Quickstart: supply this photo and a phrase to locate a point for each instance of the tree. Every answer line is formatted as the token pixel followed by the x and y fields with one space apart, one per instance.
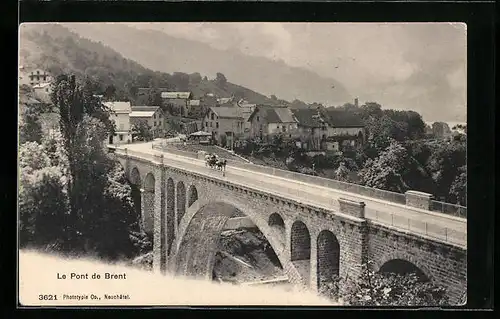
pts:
pixel 109 92
pixel 141 131
pixel 371 109
pixel 387 170
pixel 30 128
pixel 458 189
pixel 342 173
pixel 220 80
pixel 444 165
pixel 386 289
pixel 195 78
pixel 42 197
pixel 180 81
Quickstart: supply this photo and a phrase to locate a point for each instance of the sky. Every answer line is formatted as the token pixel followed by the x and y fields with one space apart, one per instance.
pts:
pixel 420 66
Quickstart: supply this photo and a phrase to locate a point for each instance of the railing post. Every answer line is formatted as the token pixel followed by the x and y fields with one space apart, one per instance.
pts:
pixel 418 200
pixel 446 233
pixel 426 228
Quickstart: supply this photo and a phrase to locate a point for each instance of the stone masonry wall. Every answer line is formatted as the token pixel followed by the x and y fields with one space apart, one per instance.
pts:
pixel 358 242
pixel 444 264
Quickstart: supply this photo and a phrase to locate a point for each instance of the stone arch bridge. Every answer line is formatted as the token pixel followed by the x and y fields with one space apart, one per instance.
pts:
pixel 185 206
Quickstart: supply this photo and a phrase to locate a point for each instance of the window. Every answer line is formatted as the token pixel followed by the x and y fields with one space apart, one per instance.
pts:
pixel 216 124
pixel 283 128
pixel 258 119
pixel 159 115
pixel 47 90
pixel 154 123
pixel 212 116
pixel 210 124
pixel 206 124
pixel 154 116
pixel 121 137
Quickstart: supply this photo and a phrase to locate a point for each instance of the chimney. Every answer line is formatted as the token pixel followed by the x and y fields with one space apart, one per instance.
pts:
pixel 356 102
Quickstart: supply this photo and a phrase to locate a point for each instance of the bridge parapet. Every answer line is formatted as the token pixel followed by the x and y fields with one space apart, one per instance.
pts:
pixel 418 199
pixel 292 198
pixel 353 208
pixel 411 199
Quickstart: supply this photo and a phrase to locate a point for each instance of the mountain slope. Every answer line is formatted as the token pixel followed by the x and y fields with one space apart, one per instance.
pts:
pixel 57 49
pixel 159 51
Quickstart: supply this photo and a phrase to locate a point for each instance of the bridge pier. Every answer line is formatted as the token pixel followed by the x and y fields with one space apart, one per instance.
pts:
pixel 159 223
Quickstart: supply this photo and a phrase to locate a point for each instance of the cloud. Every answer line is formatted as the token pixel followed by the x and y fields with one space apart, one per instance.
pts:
pixel 426 62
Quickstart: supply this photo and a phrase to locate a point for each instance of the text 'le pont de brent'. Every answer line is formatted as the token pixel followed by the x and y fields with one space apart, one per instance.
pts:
pixel 106 275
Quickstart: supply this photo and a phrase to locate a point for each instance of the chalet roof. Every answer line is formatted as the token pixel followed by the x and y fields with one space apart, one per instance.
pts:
pixel 146 108
pixel 342 118
pixel 175 95
pixel 41 85
pixel 272 114
pixel 119 107
pixel 307 117
pixel 228 112
pixel 142 114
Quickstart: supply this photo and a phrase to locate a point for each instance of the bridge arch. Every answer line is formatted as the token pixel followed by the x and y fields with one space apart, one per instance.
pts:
pixel 199 234
pixel 170 211
pixel 193 195
pixel 328 259
pixel 181 201
pixel 276 222
pixel 402 263
pixel 300 243
pixel 135 177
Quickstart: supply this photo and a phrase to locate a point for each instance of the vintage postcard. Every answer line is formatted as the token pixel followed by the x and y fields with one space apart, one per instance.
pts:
pixel 203 164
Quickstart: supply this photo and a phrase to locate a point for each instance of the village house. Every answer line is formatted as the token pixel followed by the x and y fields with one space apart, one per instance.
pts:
pixel 38 76
pixel 42 92
pixel 152 115
pixel 226 124
pixel 267 121
pixel 120 114
pixel 178 100
pixel 344 128
pixel 328 130
pixel 310 128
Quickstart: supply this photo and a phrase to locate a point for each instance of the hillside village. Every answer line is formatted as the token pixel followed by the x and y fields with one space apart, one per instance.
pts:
pixel 229 121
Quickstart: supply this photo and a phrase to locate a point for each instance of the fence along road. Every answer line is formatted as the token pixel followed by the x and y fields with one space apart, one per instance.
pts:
pixel 440 227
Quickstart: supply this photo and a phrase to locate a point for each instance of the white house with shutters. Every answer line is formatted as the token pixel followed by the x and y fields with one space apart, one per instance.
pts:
pixel 120 114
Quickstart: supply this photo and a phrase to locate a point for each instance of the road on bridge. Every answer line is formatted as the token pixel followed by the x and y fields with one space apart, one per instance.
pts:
pixel 438 226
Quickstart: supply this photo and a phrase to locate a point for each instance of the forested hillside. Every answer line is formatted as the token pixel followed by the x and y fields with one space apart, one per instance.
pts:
pixel 58 50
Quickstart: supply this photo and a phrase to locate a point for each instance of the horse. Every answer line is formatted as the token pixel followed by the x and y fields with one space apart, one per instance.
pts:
pixel 221 165
pixel 211 160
